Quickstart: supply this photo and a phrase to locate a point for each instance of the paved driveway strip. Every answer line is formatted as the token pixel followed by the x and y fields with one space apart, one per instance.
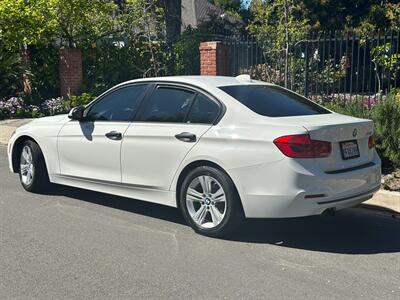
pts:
pixel 72 243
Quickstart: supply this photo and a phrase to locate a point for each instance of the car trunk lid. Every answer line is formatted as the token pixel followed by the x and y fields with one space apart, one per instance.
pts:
pixel 343 132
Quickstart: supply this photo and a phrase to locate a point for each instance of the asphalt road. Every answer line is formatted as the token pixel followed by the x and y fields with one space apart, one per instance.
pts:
pixel 75 244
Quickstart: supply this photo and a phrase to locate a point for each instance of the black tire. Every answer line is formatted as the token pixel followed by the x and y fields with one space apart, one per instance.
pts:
pixel 234 215
pixel 40 179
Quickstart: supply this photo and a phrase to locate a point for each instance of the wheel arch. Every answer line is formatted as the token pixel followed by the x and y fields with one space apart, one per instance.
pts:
pixel 197 163
pixel 16 149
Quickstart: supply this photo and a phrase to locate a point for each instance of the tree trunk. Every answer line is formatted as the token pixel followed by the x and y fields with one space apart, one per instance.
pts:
pixel 26 83
pixel 173 14
pixel 173 21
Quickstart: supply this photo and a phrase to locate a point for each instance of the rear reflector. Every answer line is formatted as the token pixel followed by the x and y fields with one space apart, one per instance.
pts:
pixel 302 146
pixel 371 142
pixel 311 196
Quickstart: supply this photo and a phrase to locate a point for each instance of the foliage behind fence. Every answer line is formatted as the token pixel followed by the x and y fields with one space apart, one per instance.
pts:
pixel 323 65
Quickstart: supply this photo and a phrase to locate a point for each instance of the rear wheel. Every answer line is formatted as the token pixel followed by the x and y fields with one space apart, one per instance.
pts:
pixel 209 202
pixel 32 170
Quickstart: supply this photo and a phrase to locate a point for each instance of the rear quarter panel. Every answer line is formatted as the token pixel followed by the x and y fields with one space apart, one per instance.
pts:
pixel 235 146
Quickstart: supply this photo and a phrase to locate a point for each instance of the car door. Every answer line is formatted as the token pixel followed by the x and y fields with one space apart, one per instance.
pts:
pixel 90 148
pixel 169 125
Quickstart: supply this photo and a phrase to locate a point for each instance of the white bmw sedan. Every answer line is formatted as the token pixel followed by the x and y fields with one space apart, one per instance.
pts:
pixel 221 149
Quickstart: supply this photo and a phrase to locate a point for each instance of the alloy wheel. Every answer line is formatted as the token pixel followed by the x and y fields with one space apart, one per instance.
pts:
pixel 206 201
pixel 26 166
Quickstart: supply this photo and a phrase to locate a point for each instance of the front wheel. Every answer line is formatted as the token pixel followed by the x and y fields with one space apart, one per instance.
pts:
pixel 32 170
pixel 210 202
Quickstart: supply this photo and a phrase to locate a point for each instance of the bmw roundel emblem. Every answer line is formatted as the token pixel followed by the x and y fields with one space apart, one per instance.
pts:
pixel 355 132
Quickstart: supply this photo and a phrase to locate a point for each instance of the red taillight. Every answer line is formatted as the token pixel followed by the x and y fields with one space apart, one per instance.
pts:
pixel 302 146
pixel 371 142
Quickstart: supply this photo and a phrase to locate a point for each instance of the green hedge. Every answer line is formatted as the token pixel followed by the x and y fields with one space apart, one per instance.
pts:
pixel 386 117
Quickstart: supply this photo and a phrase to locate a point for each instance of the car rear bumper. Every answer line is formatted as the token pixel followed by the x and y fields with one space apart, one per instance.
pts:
pixel 295 188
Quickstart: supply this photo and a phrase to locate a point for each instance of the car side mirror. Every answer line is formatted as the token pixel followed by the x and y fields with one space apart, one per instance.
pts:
pixel 76 113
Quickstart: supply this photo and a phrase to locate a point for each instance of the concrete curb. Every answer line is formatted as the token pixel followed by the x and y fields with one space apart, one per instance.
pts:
pixel 387 200
pixel 382 200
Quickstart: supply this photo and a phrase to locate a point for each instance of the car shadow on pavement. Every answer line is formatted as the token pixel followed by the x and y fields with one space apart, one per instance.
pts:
pixel 350 231
pixel 153 210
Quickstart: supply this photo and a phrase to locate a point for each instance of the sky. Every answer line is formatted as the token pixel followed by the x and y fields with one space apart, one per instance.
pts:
pixel 246 3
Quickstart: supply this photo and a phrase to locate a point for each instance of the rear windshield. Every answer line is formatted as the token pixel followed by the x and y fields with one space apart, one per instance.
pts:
pixel 273 101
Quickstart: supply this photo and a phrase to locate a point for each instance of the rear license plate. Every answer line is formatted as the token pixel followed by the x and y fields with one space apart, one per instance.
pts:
pixel 349 149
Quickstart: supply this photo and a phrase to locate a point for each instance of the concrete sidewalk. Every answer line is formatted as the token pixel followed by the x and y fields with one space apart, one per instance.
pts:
pixel 383 199
pixel 7 127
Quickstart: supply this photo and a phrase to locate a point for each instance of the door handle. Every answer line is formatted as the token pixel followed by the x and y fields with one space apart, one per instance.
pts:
pixel 114 135
pixel 186 137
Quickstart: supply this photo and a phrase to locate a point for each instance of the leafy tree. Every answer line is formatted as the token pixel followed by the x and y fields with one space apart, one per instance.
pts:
pixel 39 22
pixel 137 49
pixel 82 21
pixel 25 22
pixel 384 59
pixel 278 24
pixel 228 5
pixel 363 15
pixel 336 14
pixel 393 15
pixel 172 10
pixel 29 22
pixel 143 22
pixel 380 16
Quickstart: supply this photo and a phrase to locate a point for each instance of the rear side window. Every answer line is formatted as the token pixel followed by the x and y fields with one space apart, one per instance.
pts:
pixel 273 101
pixel 167 105
pixel 203 110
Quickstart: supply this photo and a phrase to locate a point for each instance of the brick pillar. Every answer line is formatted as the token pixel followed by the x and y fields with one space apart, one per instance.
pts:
pixel 213 58
pixel 71 75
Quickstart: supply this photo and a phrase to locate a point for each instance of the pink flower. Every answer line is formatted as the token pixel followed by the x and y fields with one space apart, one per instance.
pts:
pixel 369 101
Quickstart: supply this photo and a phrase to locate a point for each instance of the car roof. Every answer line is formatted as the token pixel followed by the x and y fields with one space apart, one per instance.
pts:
pixel 211 81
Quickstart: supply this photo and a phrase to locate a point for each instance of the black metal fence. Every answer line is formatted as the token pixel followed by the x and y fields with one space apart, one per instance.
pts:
pixel 322 66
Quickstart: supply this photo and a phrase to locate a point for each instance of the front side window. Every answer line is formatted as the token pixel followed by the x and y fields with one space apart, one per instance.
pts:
pixel 167 105
pixel 273 101
pixel 203 110
pixel 118 105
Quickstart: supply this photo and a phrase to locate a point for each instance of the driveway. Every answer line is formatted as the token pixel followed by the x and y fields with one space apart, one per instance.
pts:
pixel 71 244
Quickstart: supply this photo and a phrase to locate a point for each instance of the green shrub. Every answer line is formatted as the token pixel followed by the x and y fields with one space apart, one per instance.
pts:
pixel 44 69
pixel 106 65
pixel 386 118
pixel 35 112
pixel 10 72
pixel 81 100
pixel 353 108
pixel 186 52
